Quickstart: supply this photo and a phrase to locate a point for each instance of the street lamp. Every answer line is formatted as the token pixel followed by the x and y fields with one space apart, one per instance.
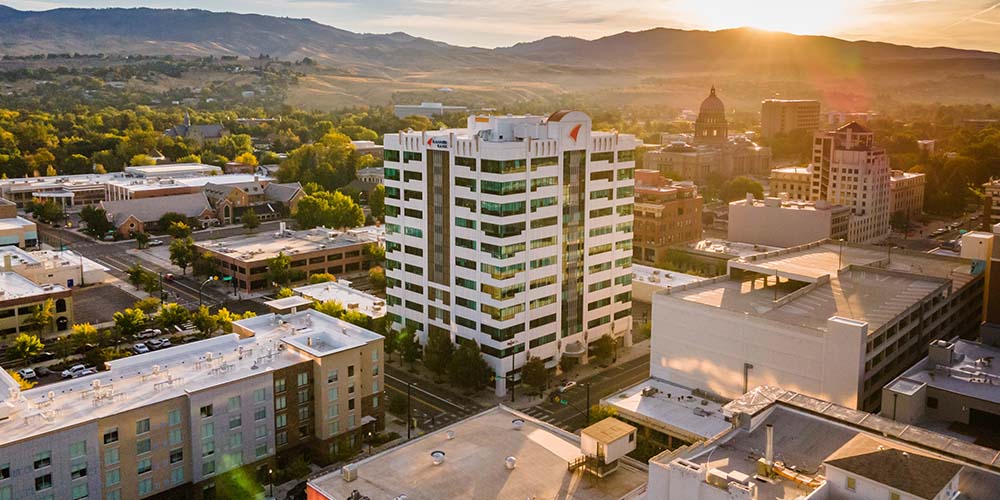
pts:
pixel 270 482
pixel 203 283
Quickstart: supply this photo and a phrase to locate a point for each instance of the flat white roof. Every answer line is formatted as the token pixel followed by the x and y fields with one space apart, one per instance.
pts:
pixel 729 248
pixel 662 278
pixel 172 169
pixel 672 408
pixel 350 298
pixel 474 468
pixel 16 223
pixel 974 372
pixel 311 331
pixel 151 183
pixel 263 246
pixel 15 286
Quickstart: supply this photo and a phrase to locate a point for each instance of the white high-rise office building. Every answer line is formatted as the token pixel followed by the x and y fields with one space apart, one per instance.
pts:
pixel 849 169
pixel 514 233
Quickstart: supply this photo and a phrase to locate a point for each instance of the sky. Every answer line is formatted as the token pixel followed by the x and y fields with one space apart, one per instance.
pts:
pixel 971 24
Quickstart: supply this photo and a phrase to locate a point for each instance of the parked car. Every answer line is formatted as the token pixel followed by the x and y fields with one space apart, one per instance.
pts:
pixel 27 373
pixel 148 333
pixel 140 348
pixel 77 371
pixel 168 276
pixel 155 243
pixel 567 386
pixel 156 344
pixel 45 356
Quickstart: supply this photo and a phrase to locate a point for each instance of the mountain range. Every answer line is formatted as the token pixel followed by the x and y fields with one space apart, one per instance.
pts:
pixel 622 60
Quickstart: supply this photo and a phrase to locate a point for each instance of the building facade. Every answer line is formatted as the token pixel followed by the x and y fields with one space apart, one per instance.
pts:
pixel 906 190
pixel 514 234
pixel 666 213
pixel 793 183
pixel 194 420
pixel 781 116
pixel 784 224
pixel 19 297
pixel 850 170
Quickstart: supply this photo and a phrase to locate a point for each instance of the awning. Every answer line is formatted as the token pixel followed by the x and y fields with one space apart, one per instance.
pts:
pixel 575 349
pixel 367 419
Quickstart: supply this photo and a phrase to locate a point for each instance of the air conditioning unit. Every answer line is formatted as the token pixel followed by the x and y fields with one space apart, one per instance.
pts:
pixel 349 472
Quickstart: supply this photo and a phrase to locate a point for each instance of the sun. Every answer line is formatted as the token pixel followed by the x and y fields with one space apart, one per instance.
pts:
pixel 805 17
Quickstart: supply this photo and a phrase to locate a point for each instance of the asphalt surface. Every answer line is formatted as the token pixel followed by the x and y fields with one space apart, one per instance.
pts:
pixel 430 408
pixel 572 415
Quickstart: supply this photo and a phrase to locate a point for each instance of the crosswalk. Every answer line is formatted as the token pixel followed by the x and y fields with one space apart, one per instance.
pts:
pixel 541 413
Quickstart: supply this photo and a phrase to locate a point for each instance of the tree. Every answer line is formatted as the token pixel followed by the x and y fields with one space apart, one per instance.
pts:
pixel 604 348
pixel 600 412
pixel 48 211
pixel 224 319
pixel 142 240
pixel 376 276
pixel 534 374
pixel 356 317
pixel 279 270
pixel 321 278
pixel 141 160
pixel 250 220
pixel 408 346
pixel 21 383
pixel 203 264
pixel 737 189
pixel 330 308
pixel 438 352
pixel 334 210
pixel 41 317
pixel 376 201
pixel 129 322
pixel 25 347
pixel 468 369
pixel 169 218
pixel 179 229
pixel 247 159
pixel 284 293
pixel 173 314
pixel 96 220
pixel 182 252
pixel 899 221
pixel 147 305
pixel 204 321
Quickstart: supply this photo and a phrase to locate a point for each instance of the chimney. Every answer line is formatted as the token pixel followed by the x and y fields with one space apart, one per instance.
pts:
pixel 6 263
pixel 769 452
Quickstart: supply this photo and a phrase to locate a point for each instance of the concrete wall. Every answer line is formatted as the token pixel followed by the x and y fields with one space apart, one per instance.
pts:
pixel 777 226
pixel 21 456
pixel 704 347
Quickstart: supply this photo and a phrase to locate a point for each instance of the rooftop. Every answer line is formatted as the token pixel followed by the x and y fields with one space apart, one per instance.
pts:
pixel 15 286
pixel 859 283
pixel 778 203
pixel 809 433
pixel 16 223
pixel 662 278
pixel 48 258
pixel 914 473
pixel 474 465
pixel 671 408
pixel 152 209
pixel 730 249
pixel 792 170
pixel 974 371
pixel 310 331
pixel 196 181
pixel 608 430
pixel 263 246
pixel 350 298
pixel 172 170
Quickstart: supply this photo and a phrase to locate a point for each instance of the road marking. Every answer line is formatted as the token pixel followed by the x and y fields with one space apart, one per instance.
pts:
pixel 402 391
pixel 435 396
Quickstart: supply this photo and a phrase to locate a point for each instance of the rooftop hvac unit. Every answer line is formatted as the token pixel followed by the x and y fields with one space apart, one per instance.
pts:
pixel 349 472
pixel 649 391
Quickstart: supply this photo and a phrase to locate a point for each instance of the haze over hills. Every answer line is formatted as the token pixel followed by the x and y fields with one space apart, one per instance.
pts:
pixel 655 66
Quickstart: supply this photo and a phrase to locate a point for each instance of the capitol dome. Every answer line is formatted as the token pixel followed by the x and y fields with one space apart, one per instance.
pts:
pixel 712 104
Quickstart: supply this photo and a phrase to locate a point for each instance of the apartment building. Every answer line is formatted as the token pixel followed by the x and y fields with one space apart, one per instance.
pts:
pixel 778 223
pixel 781 116
pixel 513 234
pixel 19 296
pixel 906 192
pixel 312 251
pixel 833 320
pixel 666 213
pixel 181 422
pixel 850 170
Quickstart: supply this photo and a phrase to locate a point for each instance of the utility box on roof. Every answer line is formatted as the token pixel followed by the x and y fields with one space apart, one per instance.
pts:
pixel 609 440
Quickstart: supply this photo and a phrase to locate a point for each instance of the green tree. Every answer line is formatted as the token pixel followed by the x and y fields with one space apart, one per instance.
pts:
pixel 601 412
pixel 246 158
pixel 604 348
pixel 25 347
pixel 356 317
pixel 438 352
pixel 179 229
pixel 333 210
pixel 284 293
pixel 148 305
pixel 167 219
pixel 330 308
pixel 203 264
pixel 737 189
pixel 376 202
pixel 534 374
pixel 173 314
pixel 206 322
pixel 321 278
pixel 41 317
pixel 129 322
pixel 182 253
pixel 279 270
pixel 224 319
pixel 96 220
pixel 48 212
pixel 250 220
pixel 376 276
pixel 141 160
pixel 408 346
pixel 142 240
pixel 468 369
pixel 21 383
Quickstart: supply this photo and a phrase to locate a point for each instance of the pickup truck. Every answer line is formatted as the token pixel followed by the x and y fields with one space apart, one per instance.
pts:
pixel 78 371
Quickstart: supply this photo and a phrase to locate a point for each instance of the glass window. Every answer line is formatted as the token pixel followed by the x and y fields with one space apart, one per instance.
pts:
pixel 77 471
pixel 177 476
pixel 303 378
pixel 206 411
pixel 111 456
pixel 176 455
pixel 236 421
pixel 6 493
pixel 234 403
pixel 331 376
pixel 333 411
pixel 207 448
pixel 260 451
pixel 43 482
pixel 260 431
pixel 280 403
pixel 111 436
pixel 112 477
pixel 4 471
pixel 281 420
pixel 207 430
pixel 175 436
pixel 78 449
pixel 142 426
pixel 279 385
pixel 80 491
pixel 142 446
pixel 114 495
pixel 146 486
pixel 174 417
pixel 208 467
pixel 235 440
pixel 43 459
pixel 259 395
pixel 260 414
pixel 145 465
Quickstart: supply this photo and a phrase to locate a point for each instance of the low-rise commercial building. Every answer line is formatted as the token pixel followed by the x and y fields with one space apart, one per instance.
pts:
pixel 50 267
pixel 906 193
pixel 19 298
pixel 67 190
pixel 129 188
pixel 648 280
pixel 368 148
pixel 176 421
pixel 173 170
pixel 350 299
pixel 500 454
pixel 14 229
pixel 793 183
pixel 133 216
pixel 956 387
pixel 311 251
pixel 666 213
pixel 786 223
pixel 784 445
pixel 832 320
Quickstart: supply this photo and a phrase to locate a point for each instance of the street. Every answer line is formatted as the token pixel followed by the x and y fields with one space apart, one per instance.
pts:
pixel 430 410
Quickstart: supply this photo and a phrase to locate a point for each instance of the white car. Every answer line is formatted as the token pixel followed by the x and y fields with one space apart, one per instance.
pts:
pixel 567 386
pixel 27 373
pixel 155 243
pixel 140 348
pixel 76 371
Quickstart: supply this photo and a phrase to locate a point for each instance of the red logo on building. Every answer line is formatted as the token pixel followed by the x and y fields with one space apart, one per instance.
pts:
pixel 575 132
